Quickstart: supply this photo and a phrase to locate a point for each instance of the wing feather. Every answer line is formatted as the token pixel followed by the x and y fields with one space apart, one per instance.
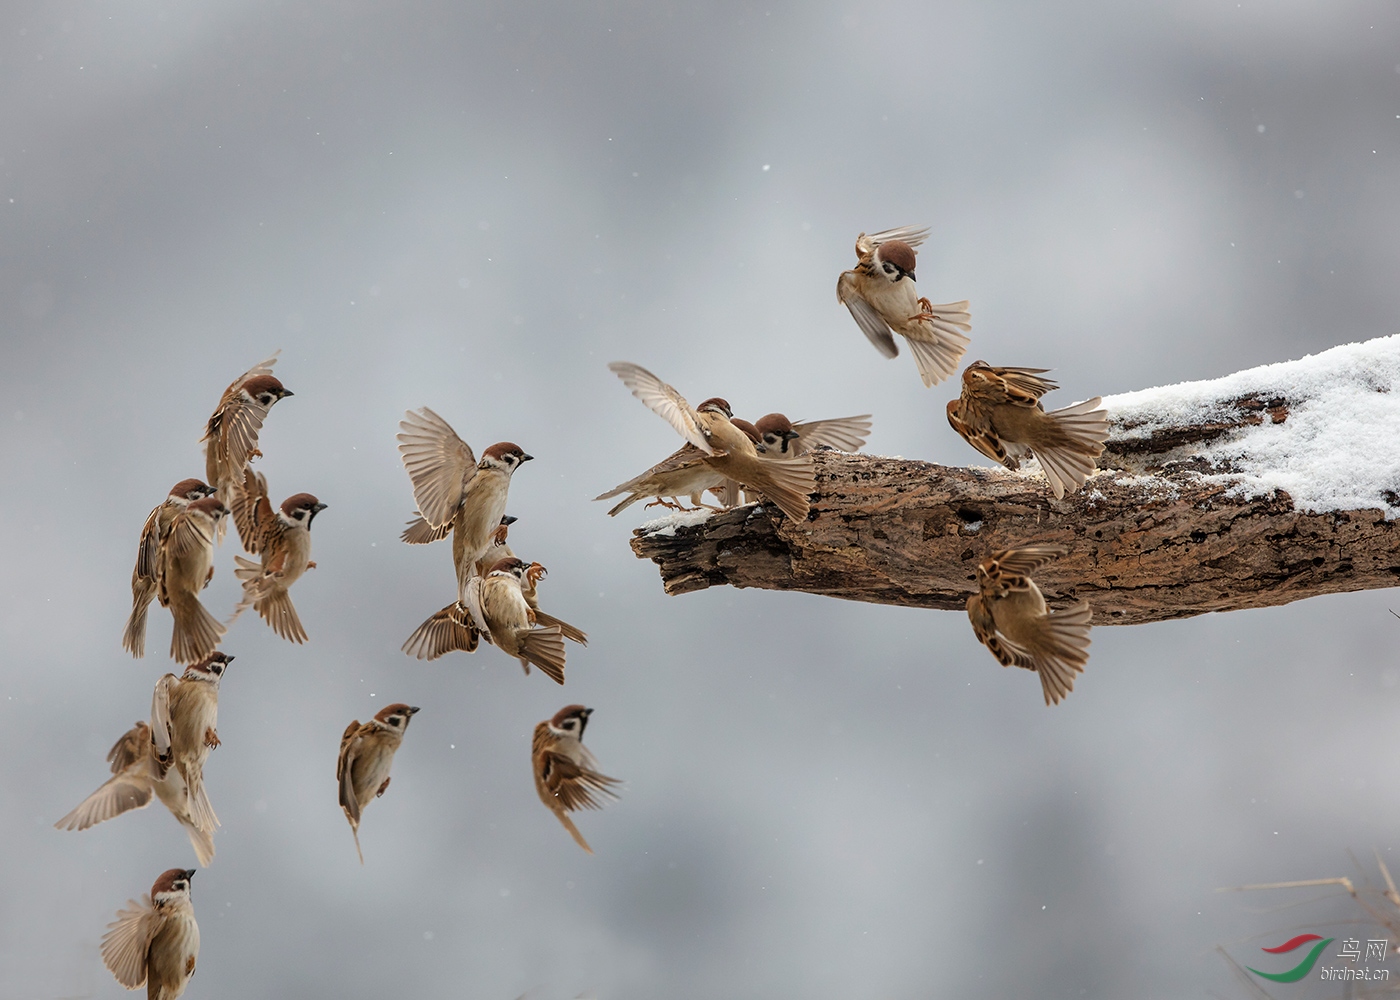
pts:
pixel 127 941
pixel 841 433
pixel 664 401
pixel 439 463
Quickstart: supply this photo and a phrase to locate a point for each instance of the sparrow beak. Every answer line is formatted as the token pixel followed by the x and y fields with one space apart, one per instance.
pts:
pixel 526 458
pixel 413 710
pixel 318 508
pixel 189 873
pixel 286 393
pixel 508 520
pixel 229 659
pixel 789 436
pixel 909 275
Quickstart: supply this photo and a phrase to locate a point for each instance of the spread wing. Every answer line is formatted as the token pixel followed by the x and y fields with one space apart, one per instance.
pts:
pixel 1018 386
pixel 913 235
pixel 1008 654
pixel 187 536
pixel 344 766
pixel 263 367
pixel 252 511
pixel 232 432
pixel 575 786
pixel 876 330
pixel 127 941
pixel 964 419
pixel 842 433
pixel 130 787
pixel 1023 561
pixel 664 401
pixel 439 464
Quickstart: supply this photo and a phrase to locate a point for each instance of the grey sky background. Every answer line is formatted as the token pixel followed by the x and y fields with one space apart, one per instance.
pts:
pixel 475 207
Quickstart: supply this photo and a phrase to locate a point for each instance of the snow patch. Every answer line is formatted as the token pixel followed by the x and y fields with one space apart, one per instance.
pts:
pixel 671 522
pixel 1338 448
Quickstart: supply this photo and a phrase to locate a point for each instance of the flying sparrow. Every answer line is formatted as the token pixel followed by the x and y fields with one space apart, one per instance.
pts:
pixel 231 436
pixel 503 617
pixel 138 775
pixel 566 772
pixel 787 482
pixel 184 567
pixel 184 727
pixel 155 942
pixel 143 578
pixel 999 414
pixel 283 541
pixel 366 755
pixel 456 494
pixel 1009 617
pixel 881 296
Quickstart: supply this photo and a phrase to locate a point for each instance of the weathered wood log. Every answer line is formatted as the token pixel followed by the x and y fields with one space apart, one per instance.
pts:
pixel 1173 531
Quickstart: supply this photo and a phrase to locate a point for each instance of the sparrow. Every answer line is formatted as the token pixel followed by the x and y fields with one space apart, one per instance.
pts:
pixel 456 494
pixel 138 775
pixel 231 436
pixel 143 578
pixel 683 473
pixel 534 573
pixel 881 296
pixel 999 414
pixel 502 616
pixel 184 567
pixel 184 727
pixel 283 541
pixel 155 942
pixel 780 436
pixel 1009 617
pixel 727 449
pixel 496 549
pixel 366 754
pixel 566 772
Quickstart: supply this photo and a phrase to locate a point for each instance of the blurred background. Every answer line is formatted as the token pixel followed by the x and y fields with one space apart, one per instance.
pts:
pixel 475 207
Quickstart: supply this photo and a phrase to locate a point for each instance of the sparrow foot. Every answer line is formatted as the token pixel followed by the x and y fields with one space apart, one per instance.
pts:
pixel 211 738
pixel 310 564
pixel 382 788
pixel 668 504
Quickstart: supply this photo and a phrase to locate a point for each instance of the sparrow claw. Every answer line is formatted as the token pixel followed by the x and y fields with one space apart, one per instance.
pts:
pixel 668 504
pixel 211 738
pixel 255 453
pixel 382 788
pixel 310 564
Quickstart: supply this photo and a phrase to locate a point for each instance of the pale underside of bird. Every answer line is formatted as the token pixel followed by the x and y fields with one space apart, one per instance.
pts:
pixel 566 772
pixel 1010 617
pixel 366 757
pixel 184 567
pixel 883 300
pixel 145 577
pixel 781 438
pixel 1000 414
pixel 786 482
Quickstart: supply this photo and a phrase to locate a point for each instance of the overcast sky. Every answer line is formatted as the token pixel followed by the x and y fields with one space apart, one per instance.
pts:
pixel 475 207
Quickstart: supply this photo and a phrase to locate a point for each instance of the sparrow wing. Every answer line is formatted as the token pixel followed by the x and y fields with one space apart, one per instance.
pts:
pixel 344 769
pixel 160 715
pixel 134 745
pixel 252 511
pixel 131 786
pixel 127 941
pixel 686 454
pixel 876 330
pixel 439 464
pixel 187 536
pixel 575 786
pixel 913 235
pixel 149 546
pixel 476 605
pixel 664 401
pixel 963 419
pixel 1023 561
pixel 1016 386
pixel 446 630
pixel 1008 654
pixel 263 367
pixel 842 433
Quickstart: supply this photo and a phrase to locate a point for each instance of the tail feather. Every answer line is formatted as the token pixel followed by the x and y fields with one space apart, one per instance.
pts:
pixel 544 647
pixel 203 843
pixel 355 832
pixel 197 632
pixel 272 602
pixel 627 502
pixel 420 532
pixel 1069 461
pixel 445 631
pixel 573 830
pixel 134 638
pixel 201 809
pixel 937 356
pixel 1065 651
pixel 788 483
pixel 565 629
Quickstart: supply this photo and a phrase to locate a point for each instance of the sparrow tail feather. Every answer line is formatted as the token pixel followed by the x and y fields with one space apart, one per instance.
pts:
pixel 134 638
pixel 544 647
pixel 196 632
pixel 573 830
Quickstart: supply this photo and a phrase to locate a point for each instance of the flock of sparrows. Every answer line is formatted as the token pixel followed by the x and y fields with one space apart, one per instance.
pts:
pixel 155 941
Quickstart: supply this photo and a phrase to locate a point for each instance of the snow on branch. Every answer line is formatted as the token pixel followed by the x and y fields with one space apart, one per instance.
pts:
pixel 1256 489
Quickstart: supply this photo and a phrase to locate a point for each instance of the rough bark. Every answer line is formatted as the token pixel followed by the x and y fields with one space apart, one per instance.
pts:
pixel 1164 537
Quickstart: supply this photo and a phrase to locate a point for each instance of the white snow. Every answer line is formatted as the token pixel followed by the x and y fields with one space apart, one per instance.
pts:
pixel 679 519
pixel 1338 449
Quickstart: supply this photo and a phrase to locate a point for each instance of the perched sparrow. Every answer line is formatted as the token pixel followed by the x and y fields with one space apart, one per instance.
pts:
pixel 143 577
pixel 155 942
pixel 232 433
pixel 366 754
pixel 566 772
pixel 999 414
pixel 283 541
pixel 787 482
pixel 138 775
pixel 683 473
pixel 1009 617
pixel 184 727
pixel 780 436
pixel 503 617
pixel 881 296
pixel 184 567
pixel 455 493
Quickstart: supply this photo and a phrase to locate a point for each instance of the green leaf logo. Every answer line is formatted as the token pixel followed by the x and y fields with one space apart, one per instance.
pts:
pixel 1302 968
